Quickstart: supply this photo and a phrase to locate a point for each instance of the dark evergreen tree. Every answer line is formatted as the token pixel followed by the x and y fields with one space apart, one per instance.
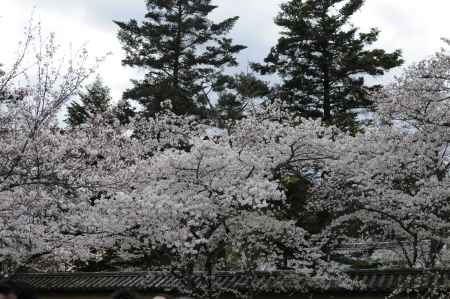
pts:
pixel 2 89
pixel 94 101
pixel 238 92
pixel 123 111
pixel 182 51
pixel 322 60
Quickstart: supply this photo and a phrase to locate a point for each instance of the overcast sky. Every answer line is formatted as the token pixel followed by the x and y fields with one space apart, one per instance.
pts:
pixel 411 25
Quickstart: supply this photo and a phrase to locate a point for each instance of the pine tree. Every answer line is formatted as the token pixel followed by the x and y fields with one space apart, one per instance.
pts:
pixel 123 111
pixel 322 60
pixel 238 92
pixel 2 91
pixel 182 51
pixel 94 101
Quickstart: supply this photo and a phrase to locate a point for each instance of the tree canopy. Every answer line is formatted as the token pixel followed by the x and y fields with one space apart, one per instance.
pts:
pixel 96 100
pixel 271 190
pixel 182 52
pixel 322 60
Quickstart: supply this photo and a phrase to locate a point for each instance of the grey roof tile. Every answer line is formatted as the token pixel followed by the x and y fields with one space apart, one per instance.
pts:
pixel 373 280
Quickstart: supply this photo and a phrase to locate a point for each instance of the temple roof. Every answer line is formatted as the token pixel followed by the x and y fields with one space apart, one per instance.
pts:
pixel 369 281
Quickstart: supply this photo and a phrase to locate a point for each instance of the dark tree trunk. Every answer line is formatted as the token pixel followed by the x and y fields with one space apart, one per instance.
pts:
pixel 176 66
pixel 326 97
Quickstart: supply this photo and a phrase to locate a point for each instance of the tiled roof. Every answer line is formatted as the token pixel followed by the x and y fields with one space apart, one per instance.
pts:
pixel 390 280
pixel 83 281
pixel 150 281
pixel 373 281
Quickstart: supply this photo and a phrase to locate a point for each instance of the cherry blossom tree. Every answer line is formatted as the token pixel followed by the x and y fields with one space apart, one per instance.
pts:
pixel 50 175
pixel 214 204
pixel 185 197
pixel 393 182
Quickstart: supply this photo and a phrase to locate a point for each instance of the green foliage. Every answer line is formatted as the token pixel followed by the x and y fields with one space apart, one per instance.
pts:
pixel 238 92
pixel 322 60
pixel 299 194
pixel 183 52
pixel 2 92
pixel 124 112
pixel 94 101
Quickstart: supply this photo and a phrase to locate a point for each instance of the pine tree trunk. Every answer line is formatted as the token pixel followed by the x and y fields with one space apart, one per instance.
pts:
pixel 177 98
pixel 176 66
pixel 326 98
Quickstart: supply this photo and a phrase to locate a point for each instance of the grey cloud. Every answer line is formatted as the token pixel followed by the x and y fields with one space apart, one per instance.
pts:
pixel 97 13
pixel 410 25
pixel 255 28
